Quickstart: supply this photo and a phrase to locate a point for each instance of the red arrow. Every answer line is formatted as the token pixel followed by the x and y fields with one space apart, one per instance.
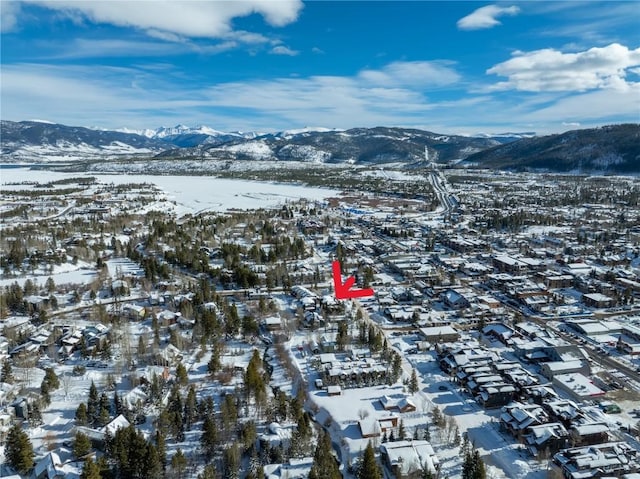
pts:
pixel 343 290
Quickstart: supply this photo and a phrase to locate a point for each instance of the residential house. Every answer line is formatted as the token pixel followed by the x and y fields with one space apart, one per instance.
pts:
pixel 589 433
pixel 134 312
pixel 408 459
pixel 597 300
pixel 545 439
pixel 440 334
pixel 49 467
pixel 399 403
pixel 294 468
pixel 455 300
pixel 517 417
pixel 553 368
pixel 612 459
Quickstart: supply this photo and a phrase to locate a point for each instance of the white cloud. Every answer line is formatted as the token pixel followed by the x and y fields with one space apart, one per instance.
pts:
pixel 393 95
pixel 156 94
pixel 201 19
pixel 105 48
pixel 552 70
pixel 9 11
pixel 411 74
pixel 605 106
pixel 282 50
pixel 485 17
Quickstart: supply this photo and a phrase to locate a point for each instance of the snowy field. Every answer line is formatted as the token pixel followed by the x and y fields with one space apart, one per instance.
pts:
pixel 66 273
pixel 191 194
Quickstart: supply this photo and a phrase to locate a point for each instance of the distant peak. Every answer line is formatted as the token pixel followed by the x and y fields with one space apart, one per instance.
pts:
pixel 43 121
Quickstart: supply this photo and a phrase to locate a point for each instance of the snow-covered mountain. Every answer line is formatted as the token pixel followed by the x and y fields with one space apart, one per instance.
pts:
pixel 380 145
pixel 608 149
pixel 186 136
pixel 507 137
pixel 43 141
pixel 611 149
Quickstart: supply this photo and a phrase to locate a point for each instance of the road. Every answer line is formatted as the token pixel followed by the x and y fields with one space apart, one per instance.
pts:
pixel 439 184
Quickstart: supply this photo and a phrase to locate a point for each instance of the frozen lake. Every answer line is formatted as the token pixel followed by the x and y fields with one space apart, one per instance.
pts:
pixel 192 194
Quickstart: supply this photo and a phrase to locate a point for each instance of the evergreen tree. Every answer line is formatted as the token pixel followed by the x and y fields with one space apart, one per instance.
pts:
pixel 324 464
pixel 93 404
pixel 154 388
pixel 35 415
pixel 369 468
pixel 438 417
pixel 342 338
pixel 209 437
pixel 427 434
pixel 181 375
pixel 6 375
pixel 19 450
pixel 215 363
pixel 479 471
pixel 161 448
pixel 118 405
pixel 190 408
pixel 44 392
pixel 413 383
pixel 129 452
pixel 142 347
pixel 103 466
pixel 254 380
pixel 231 458
pixel 401 431
pixel 248 436
pixel 81 445
pixel 152 463
pixel 81 414
pixel 465 447
pixel 51 378
pixel 229 411
pixel 90 470
pixel 104 410
pixel 209 472
pixel 179 464
pixel 396 367
pixel 467 466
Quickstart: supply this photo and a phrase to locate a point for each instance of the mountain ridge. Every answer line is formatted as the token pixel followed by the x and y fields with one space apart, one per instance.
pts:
pixel 609 149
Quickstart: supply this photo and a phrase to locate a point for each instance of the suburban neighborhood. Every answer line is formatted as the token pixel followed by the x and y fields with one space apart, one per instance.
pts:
pixel 501 325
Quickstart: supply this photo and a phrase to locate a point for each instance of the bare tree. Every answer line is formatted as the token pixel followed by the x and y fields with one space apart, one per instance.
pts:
pixel 66 384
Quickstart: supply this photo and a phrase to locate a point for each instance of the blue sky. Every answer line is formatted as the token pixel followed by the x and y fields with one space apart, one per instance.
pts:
pixel 451 67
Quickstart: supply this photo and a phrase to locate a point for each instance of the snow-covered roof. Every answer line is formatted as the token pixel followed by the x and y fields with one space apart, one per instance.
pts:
pixel 590 428
pixel 49 466
pixel 410 456
pixel 118 423
pixel 578 384
pixel 294 469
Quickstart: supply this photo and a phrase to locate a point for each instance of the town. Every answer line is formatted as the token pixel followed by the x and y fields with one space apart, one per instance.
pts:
pixel 142 336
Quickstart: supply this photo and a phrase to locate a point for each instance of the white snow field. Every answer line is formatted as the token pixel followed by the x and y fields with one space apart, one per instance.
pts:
pixel 188 194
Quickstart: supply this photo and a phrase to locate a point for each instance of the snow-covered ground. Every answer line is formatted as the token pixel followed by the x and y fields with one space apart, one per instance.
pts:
pixel 191 194
pixel 502 454
pixel 66 273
